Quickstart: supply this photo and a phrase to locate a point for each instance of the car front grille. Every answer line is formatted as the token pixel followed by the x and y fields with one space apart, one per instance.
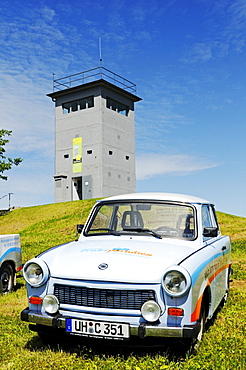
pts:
pixel 102 298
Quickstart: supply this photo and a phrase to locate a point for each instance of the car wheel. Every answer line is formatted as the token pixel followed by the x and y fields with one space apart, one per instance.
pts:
pixel 202 320
pixel 224 299
pixel 6 278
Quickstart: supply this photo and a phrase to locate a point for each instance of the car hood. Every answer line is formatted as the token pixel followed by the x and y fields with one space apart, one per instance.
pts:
pixel 120 259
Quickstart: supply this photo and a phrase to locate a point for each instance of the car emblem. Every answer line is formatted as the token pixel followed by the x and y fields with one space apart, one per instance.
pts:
pixel 103 266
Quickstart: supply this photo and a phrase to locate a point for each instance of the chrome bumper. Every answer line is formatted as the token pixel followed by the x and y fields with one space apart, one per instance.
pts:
pixel 142 331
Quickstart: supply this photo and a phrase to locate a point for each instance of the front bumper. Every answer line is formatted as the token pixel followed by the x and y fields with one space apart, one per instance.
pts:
pixel 142 331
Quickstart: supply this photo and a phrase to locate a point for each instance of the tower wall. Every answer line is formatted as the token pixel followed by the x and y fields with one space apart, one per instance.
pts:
pixel 95 145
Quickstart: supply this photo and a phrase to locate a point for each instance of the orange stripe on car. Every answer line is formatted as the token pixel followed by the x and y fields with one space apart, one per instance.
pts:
pixel 196 313
pixel 218 272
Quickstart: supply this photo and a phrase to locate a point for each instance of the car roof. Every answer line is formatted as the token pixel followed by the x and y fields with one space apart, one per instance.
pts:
pixel 173 197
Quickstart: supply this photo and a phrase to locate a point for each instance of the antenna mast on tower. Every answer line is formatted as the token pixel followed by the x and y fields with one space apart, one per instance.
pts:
pixel 100 51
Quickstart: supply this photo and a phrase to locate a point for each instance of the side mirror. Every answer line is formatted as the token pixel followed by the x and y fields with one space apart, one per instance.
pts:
pixel 210 232
pixel 80 228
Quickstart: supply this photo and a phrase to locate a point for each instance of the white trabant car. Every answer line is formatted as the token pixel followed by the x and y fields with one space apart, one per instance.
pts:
pixel 10 261
pixel 145 265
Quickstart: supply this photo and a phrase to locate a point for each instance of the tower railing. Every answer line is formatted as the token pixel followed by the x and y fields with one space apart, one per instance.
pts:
pixel 91 75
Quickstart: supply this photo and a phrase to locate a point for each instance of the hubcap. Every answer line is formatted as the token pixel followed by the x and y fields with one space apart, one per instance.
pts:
pixel 5 279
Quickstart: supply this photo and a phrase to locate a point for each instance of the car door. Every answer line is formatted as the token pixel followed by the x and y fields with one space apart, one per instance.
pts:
pixel 218 280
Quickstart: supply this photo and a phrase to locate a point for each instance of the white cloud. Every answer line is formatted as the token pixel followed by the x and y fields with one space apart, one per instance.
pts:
pixel 151 165
pixel 224 32
pixel 48 13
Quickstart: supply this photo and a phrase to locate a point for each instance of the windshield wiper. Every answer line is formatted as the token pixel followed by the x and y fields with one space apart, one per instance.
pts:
pixel 139 230
pixel 110 231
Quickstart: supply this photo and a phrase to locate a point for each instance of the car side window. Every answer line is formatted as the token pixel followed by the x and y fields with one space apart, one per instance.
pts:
pixel 206 219
pixel 213 217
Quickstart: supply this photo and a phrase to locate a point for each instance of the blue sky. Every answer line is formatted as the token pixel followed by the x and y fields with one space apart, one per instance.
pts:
pixel 187 58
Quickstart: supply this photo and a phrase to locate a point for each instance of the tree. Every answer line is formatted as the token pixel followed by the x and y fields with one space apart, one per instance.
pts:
pixel 6 163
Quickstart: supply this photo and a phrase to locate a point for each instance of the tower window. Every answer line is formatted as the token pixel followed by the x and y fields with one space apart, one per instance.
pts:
pixel 80 104
pixel 110 152
pixel 66 108
pixel 74 106
pixel 127 157
pixel 89 151
pixel 86 103
pixel 117 106
pixel 66 155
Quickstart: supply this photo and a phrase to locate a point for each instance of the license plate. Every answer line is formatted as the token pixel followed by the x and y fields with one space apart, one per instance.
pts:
pixel 100 329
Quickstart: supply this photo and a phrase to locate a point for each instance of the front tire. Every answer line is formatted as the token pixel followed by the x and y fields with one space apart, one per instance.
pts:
pixel 224 299
pixel 6 278
pixel 202 321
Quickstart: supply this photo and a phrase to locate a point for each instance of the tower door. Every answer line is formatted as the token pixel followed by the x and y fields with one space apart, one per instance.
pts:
pixel 82 187
pixel 77 188
pixel 87 187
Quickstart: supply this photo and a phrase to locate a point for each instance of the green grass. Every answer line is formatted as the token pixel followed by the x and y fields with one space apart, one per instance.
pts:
pixel 223 345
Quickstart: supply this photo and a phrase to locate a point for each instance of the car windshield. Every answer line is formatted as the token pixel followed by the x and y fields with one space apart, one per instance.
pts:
pixel 160 219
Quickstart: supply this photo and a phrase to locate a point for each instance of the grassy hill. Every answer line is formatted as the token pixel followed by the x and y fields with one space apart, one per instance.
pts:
pixel 41 227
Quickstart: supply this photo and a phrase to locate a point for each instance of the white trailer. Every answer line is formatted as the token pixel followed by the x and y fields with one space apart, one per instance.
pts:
pixel 10 261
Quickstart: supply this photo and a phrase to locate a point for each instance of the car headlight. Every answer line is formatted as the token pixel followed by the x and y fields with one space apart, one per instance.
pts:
pixel 35 272
pixel 50 303
pixel 176 281
pixel 151 311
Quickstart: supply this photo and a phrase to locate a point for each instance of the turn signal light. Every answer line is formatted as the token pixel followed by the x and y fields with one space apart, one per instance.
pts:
pixel 173 311
pixel 35 300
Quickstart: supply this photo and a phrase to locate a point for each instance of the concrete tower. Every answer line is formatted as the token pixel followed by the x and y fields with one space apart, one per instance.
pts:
pixel 94 136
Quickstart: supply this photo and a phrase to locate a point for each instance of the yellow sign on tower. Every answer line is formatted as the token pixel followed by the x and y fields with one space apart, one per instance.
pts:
pixel 77 155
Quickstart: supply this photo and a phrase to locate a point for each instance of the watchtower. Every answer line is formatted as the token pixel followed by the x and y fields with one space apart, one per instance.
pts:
pixel 94 135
